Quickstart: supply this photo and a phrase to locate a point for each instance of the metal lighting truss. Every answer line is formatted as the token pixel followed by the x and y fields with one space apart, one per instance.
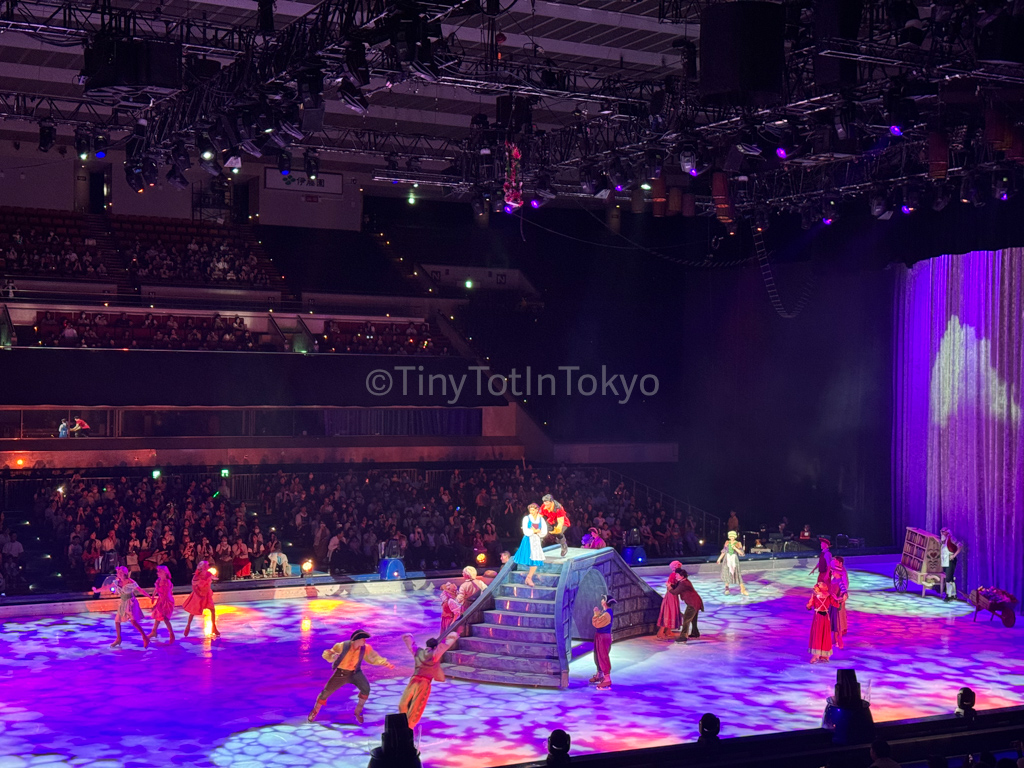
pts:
pixel 72 22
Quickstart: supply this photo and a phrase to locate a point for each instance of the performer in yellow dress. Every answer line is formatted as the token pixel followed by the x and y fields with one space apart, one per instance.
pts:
pixel 427 670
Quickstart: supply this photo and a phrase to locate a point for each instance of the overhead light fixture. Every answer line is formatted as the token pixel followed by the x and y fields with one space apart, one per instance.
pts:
pixel 206 149
pixel 943 195
pixel 150 171
pixel 356 69
pixel 311 163
pixel 133 175
pixel 99 145
pixel 879 205
pixel 179 156
pixel 353 98
pixel 47 135
pixel 284 162
pixel 1002 186
pixel 176 178
pixel 83 144
pixel 234 161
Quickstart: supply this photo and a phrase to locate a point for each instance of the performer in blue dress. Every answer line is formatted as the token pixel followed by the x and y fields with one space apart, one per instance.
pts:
pixel 530 552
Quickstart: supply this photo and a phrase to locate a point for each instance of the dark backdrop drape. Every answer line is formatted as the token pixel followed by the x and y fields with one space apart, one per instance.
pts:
pixel 957 438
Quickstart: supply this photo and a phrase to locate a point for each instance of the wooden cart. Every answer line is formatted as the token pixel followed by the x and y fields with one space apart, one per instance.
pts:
pixel 1004 609
pixel 921 562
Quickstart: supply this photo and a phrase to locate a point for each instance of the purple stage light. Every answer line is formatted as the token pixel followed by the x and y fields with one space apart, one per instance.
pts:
pixel 906 208
pixel 781 153
pixel 827 221
pixel 618 187
pixel 508 209
pixel 1004 196
pixel 694 172
pixel 535 203
pixel 394 181
pixel 895 130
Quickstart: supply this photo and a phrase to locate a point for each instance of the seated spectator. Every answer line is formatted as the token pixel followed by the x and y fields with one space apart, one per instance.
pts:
pixel 881 755
pixel 805 533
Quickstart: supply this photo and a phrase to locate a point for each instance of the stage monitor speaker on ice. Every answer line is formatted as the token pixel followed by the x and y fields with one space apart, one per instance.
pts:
pixel 634 555
pixel 743 53
pixel 391 569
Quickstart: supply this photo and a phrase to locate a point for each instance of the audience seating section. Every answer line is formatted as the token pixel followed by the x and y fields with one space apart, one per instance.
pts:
pixel 143 331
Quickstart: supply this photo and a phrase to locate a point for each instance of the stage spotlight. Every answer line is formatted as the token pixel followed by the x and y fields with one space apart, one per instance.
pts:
pixel 588 181
pixel 1002 186
pixel 99 145
pixel 83 144
pixel 398 748
pixel 559 743
pixel 150 171
pixel 880 206
pixel 47 135
pixel 616 173
pixel 307 567
pixel 176 178
pixel 234 161
pixel 708 728
pixel 133 175
pixel 687 159
pixel 477 203
pixel 206 149
pixel 943 195
pixel 965 701
pixel 634 555
pixel 353 98
pixel 311 88
pixel 847 714
pixel 284 162
pixel 210 165
pixel 895 130
pixel 829 211
pixel 311 161
pixel 179 156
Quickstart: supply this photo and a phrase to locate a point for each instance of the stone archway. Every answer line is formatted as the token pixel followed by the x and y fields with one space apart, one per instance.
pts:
pixel 589 593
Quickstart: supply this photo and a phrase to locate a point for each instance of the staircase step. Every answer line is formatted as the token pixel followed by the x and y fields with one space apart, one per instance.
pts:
pixel 540 579
pixel 516 634
pixel 521 592
pixel 524 605
pixel 509 648
pixel 526 620
pixel 502 663
pixel 506 678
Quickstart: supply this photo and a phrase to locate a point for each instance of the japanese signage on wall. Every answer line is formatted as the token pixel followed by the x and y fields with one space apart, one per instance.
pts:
pixel 296 181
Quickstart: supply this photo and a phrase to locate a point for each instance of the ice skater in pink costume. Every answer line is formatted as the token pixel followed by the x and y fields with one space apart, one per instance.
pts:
pixel 669 617
pixel 163 605
pixel 202 597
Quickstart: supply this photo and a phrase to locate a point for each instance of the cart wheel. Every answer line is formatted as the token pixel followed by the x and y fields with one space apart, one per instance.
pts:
pixel 900 578
pixel 1009 617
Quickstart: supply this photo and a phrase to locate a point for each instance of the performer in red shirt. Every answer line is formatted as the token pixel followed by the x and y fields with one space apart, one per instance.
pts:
pixel 558 521
pixel 694 605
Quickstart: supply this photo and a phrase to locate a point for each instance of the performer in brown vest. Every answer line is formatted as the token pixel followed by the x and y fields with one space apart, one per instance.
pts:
pixel 694 605
pixel 427 669
pixel 347 662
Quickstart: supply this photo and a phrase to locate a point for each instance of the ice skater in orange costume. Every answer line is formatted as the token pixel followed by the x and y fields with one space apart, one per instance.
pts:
pixel 202 597
pixel 163 601
pixel 427 669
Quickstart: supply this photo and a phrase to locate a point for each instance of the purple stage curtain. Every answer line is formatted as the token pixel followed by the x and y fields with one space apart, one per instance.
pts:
pixel 957 438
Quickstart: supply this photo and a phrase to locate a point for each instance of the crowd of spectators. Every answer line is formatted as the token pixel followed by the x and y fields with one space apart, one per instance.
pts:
pixel 344 522
pixel 376 338
pixel 102 330
pixel 44 253
pixel 216 260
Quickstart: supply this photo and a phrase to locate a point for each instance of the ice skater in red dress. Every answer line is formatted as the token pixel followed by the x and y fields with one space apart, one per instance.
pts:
pixel 202 597
pixel 668 618
pixel 163 601
pixel 821 630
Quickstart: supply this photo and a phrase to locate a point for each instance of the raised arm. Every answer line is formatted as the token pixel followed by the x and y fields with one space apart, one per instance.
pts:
pixel 410 643
pixel 444 647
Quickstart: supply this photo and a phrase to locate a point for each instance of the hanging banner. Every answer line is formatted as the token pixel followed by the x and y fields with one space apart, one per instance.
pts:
pixel 296 181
